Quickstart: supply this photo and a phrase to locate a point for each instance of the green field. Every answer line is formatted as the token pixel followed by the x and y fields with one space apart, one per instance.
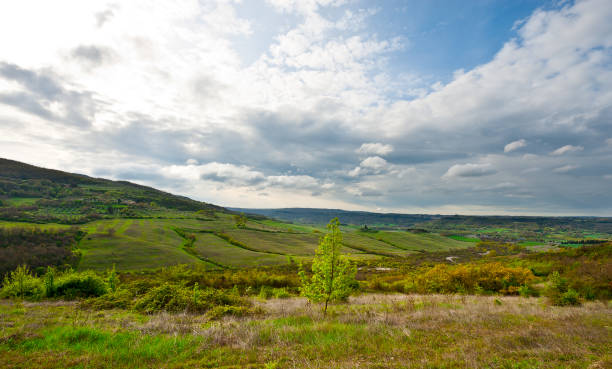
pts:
pixel 464 239
pixel 131 245
pixel 417 242
pixel 135 244
pixel 216 249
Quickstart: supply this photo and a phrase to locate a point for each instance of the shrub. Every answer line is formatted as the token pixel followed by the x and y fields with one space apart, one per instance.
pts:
pixel 559 293
pixel 119 299
pixel 175 298
pixel 22 284
pixel 49 282
pixel 470 278
pixel 218 312
pixel 72 285
pixel 569 298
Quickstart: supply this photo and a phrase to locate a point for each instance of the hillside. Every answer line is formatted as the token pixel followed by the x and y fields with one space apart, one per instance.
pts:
pixel 542 229
pixel 133 227
pixel 33 194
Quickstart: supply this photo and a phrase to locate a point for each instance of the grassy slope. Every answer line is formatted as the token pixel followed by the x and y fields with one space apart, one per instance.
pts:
pixel 372 331
pixel 418 242
pixel 133 244
pixel 212 247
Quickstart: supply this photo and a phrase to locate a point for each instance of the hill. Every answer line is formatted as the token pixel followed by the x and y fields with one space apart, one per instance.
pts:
pixel 33 194
pixel 541 229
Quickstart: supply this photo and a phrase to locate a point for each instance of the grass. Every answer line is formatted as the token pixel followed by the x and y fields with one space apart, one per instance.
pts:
pixel 371 331
pixel 418 242
pixel 210 246
pixel 51 226
pixel 464 238
pixel 131 245
pixel 18 201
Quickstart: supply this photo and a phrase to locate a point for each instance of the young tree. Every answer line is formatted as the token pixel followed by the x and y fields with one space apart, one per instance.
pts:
pixel 240 220
pixel 333 275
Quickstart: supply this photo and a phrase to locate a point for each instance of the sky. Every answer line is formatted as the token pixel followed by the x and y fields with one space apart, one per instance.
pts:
pixel 441 107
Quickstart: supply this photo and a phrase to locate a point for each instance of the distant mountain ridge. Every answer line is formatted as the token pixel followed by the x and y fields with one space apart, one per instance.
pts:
pixel 322 216
pixel 429 221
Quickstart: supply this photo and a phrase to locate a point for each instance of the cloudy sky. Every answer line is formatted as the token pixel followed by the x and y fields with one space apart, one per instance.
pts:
pixel 478 107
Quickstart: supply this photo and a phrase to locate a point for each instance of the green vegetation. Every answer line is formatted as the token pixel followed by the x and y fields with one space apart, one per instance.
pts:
pixel 333 276
pixel 464 239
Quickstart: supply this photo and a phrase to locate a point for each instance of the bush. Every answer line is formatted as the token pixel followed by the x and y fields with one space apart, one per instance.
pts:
pixel 72 285
pixel 21 283
pixel 220 311
pixel 176 298
pixel 119 299
pixel 469 278
pixel 569 298
pixel 559 293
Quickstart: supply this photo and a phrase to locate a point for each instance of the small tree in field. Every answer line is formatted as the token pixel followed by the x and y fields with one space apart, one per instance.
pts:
pixel 240 220
pixel 333 275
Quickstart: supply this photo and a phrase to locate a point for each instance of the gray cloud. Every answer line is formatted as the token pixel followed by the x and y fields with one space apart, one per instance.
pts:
pixel 41 89
pixel 93 55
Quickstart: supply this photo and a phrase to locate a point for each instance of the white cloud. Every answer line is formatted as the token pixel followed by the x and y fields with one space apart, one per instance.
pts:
pixel 566 149
pixel 375 149
pixel 469 170
pixel 565 168
pixel 374 162
pixel 514 145
pixel 172 85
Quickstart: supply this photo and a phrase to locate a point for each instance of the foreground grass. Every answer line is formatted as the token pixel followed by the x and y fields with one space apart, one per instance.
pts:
pixel 372 331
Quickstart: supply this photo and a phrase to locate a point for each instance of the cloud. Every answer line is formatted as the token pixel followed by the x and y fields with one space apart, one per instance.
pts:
pixel 92 55
pixel 210 100
pixel 41 93
pixel 375 148
pixel 515 145
pixel 469 170
pixel 567 149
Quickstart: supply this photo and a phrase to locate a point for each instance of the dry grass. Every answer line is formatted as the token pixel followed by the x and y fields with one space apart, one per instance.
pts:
pixel 371 331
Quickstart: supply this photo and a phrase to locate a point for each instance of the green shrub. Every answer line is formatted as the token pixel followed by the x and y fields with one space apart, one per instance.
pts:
pixel 281 293
pixel 22 284
pixel 73 285
pixel 218 312
pixel 527 291
pixel 119 299
pixel 265 292
pixel 569 298
pixel 559 293
pixel 49 282
pixel 176 298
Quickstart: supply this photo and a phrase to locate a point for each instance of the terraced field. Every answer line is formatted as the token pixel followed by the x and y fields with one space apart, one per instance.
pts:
pixel 131 245
pixel 135 244
pixel 418 242
pixel 217 250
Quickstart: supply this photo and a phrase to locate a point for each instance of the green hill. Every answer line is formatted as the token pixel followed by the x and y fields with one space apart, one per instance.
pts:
pixel 135 227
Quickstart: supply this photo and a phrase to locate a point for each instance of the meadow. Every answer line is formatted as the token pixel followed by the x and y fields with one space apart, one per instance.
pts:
pixel 370 331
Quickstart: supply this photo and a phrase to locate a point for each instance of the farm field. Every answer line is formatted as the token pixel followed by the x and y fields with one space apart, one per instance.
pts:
pixel 427 242
pixel 131 244
pixel 216 249
pixel 135 244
